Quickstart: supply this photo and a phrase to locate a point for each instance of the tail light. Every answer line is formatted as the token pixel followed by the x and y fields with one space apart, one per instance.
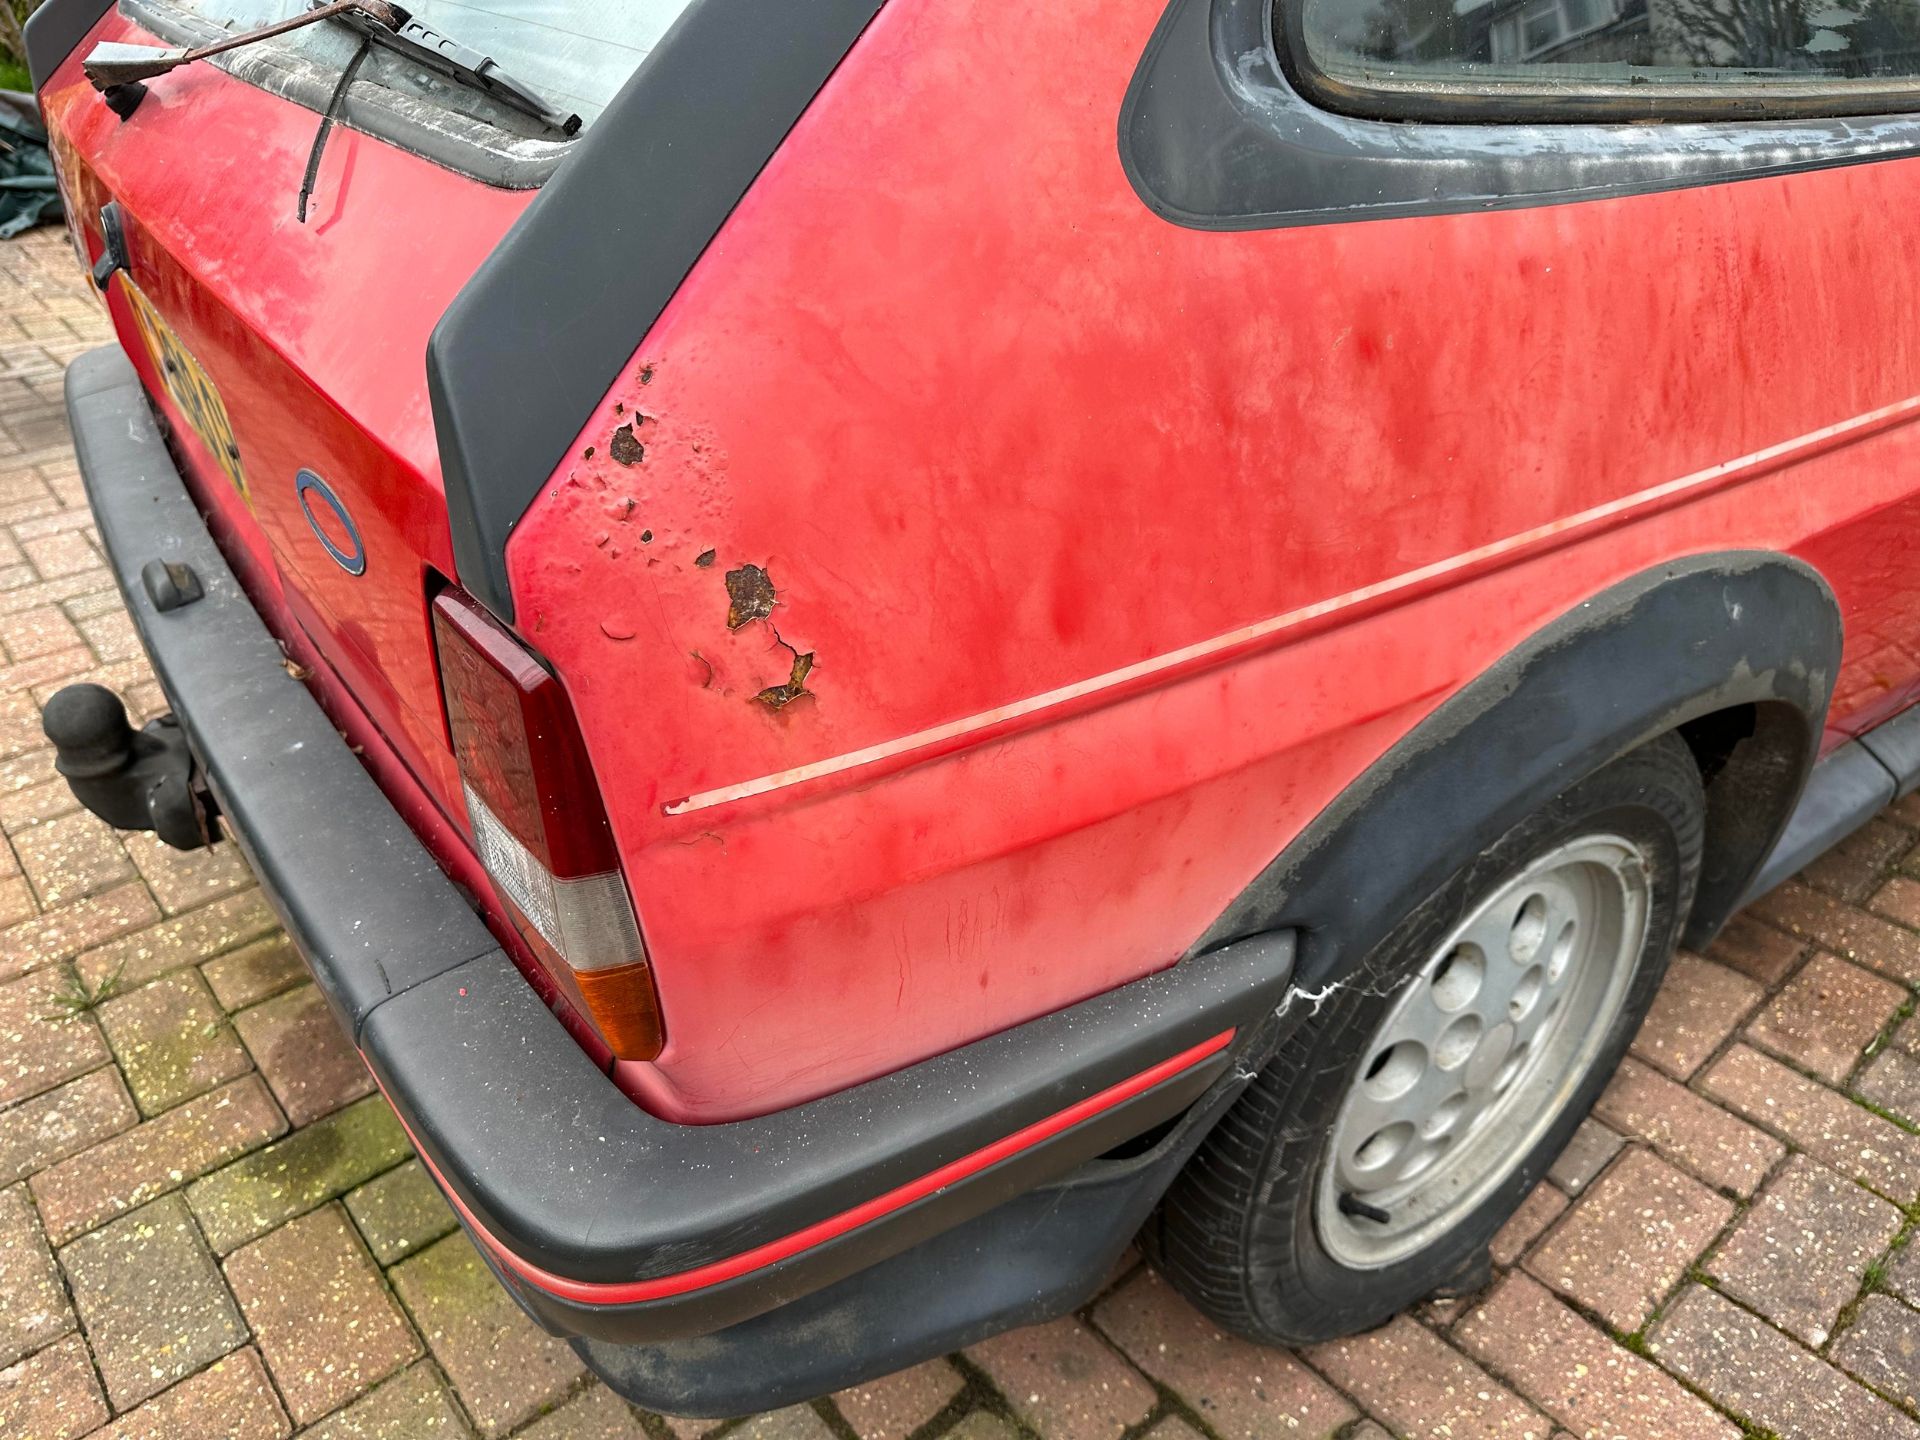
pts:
pixel 539 827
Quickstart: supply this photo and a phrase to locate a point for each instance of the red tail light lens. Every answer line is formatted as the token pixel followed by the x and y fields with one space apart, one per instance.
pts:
pixel 538 824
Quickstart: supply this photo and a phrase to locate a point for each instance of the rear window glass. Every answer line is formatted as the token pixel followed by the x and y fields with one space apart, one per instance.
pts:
pixel 576 53
pixel 1580 46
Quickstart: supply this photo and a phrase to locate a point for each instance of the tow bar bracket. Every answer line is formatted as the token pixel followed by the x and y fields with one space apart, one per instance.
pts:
pixel 133 779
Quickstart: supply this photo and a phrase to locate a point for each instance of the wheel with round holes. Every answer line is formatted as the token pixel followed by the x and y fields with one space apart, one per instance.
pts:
pixel 1401 1123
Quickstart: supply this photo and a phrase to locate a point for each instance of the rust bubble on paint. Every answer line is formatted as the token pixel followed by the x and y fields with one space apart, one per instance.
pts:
pixel 624 448
pixel 778 697
pixel 750 596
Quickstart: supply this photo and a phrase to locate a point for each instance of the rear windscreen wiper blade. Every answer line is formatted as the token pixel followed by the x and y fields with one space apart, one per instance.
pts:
pixel 114 67
pixel 448 57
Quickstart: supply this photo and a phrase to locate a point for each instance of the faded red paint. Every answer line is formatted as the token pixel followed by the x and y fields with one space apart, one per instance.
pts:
pixel 996 432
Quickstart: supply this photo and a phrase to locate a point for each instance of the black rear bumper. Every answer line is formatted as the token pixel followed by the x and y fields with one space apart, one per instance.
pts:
pixel 606 1222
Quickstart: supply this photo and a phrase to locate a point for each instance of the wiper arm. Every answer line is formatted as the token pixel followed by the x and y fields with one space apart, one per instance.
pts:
pixel 448 57
pixel 116 69
pixel 112 64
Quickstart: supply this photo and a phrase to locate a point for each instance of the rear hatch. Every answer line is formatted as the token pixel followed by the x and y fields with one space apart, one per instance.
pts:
pixel 288 353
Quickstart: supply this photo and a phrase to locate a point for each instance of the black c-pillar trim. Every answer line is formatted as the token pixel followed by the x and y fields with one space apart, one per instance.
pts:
pixel 54 29
pixel 1665 647
pixel 528 347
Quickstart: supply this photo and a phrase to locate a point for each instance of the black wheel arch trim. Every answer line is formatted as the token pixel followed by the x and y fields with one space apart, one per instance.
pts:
pixel 1659 651
pixel 1213 135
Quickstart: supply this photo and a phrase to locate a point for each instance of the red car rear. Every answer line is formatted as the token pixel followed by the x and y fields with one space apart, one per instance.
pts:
pixel 870 646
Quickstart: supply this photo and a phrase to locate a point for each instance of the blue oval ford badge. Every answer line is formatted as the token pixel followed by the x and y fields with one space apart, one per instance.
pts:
pixel 307 485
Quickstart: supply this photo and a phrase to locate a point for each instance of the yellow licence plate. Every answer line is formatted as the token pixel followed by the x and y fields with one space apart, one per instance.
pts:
pixel 189 386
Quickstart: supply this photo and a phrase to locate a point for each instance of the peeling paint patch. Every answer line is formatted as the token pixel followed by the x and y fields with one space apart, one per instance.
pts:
pixel 624 448
pixel 704 559
pixel 750 596
pixel 778 697
pixel 617 627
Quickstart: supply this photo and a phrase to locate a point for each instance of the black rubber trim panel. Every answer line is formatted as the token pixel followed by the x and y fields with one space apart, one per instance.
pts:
pixel 1038 1256
pixel 1895 743
pixel 529 346
pixel 54 29
pixel 645 1199
pixel 1847 788
pixel 1214 136
pixel 763 1289
pixel 551 1158
pixel 1852 783
pixel 1651 654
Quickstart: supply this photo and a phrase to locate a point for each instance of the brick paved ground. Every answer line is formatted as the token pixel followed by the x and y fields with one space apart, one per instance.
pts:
pixel 209 1227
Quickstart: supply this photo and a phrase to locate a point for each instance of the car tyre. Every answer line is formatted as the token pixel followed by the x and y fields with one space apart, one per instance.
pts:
pixel 1416 1104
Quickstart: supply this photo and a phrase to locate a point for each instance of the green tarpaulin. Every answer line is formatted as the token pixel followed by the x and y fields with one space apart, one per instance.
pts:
pixel 28 192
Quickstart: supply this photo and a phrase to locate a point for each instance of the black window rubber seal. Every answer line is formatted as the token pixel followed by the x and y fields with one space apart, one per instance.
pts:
pixel 1490 99
pixel 1215 135
pixel 533 341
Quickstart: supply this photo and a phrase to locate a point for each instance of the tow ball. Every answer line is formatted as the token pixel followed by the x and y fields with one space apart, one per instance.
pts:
pixel 142 779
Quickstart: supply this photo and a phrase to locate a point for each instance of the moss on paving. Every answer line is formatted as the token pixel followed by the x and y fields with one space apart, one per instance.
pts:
pixel 400 1213
pixel 308 1168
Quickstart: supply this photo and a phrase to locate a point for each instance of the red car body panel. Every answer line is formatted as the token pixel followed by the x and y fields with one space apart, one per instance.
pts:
pixel 998 434
pixel 1119 548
